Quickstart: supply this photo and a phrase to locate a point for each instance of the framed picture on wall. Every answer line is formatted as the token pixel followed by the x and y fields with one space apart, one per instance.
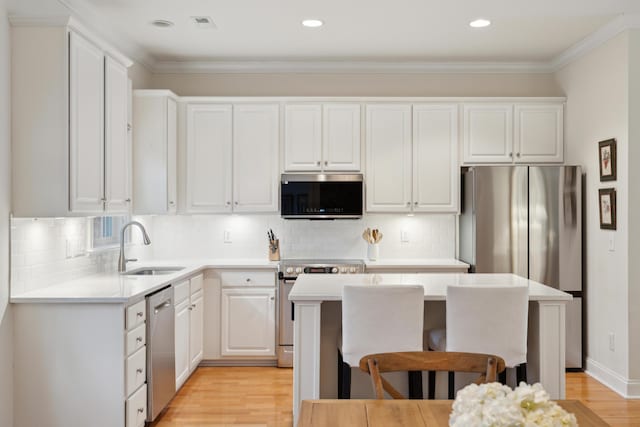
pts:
pixel 607 199
pixel 607 156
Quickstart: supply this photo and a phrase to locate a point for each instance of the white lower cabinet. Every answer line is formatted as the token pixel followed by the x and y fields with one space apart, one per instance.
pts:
pixel 137 408
pixel 248 321
pixel 189 318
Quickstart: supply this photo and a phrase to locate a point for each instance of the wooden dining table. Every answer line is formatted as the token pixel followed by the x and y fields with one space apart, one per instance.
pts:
pixel 409 413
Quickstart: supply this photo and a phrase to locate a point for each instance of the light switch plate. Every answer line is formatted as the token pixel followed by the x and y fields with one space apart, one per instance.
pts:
pixel 612 243
pixel 227 236
pixel 404 236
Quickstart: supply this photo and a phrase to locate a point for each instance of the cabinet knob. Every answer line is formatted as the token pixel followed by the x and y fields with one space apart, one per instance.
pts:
pixel 139 314
pixel 139 370
pixel 326 163
pixel 190 308
pixel 517 154
pixel 171 202
pixel 139 339
pixel 415 203
pixel 408 204
pixel 248 279
pixel 272 298
pixel 228 203
pixel 128 200
pixel 140 410
pixel 235 203
pixel 128 126
pixel 318 163
pixel 510 154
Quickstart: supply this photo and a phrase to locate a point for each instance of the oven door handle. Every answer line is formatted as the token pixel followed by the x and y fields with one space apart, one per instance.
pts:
pixel 288 280
pixel 293 310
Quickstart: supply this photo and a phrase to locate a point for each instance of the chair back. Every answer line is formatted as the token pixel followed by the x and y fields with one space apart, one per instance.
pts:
pixel 488 319
pixel 487 365
pixel 380 319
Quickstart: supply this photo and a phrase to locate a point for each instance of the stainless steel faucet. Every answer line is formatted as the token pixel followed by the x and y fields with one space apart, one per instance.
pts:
pixel 122 261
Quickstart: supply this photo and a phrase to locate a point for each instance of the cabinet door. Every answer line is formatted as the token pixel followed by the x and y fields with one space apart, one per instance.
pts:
pixel 388 167
pixel 435 158
pixel 488 133
pixel 539 133
pixel 195 331
pixel 172 155
pixel 116 144
pixel 182 342
pixel 248 322
pixel 209 134
pixel 255 158
pixel 302 138
pixel 341 137
pixel 86 126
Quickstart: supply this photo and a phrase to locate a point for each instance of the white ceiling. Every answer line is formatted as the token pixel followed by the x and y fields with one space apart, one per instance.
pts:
pixel 354 30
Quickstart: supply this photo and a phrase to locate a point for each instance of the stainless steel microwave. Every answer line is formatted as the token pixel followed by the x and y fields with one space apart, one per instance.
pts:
pixel 321 196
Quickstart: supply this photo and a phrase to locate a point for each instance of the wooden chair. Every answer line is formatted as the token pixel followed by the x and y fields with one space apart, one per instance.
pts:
pixel 487 365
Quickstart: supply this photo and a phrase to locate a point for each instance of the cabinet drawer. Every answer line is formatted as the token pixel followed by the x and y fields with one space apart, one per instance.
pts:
pixel 137 408
pixel 136 370
pixel 136 314
pixel 136 339
pixel 196 283
pixel 181 292
pixel 248 278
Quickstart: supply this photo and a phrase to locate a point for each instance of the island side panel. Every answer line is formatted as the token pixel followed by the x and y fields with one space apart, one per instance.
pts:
pixel 306 356
pixel 546 346
pixel 69 365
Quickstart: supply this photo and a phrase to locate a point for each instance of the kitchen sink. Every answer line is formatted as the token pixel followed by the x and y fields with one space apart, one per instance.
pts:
pixel 153 271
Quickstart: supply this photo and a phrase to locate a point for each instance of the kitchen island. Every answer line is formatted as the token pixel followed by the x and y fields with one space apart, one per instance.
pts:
pixel 317 313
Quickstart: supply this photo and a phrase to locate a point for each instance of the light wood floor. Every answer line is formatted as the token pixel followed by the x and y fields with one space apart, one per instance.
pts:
pixel 252 397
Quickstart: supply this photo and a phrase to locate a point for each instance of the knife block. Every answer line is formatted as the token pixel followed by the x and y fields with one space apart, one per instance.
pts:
pixel 274 251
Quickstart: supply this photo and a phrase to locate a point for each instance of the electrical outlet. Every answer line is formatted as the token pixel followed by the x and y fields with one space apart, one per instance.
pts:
pixel 612 341
pixel 612 243
pixel 404 236
pixel 227 236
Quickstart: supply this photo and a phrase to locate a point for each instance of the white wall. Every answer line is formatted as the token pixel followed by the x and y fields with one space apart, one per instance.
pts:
pixel 596 87
pixel 6 328
pixel 309 84
pixel 140 76
pixel 430 236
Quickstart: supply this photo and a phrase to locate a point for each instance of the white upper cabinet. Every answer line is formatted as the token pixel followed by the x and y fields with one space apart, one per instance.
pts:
pixel 232 158
pixel 303 137
pixel 154 152
pixel 539 133
pixel 86 133
pixel 70 148
pixel 322 137
pixel 388 145
pixel 256 139
pixel 435 158
pixel 209 156
pixel 341 137
pixel 488 133
pixel 513 133
pixel 117 146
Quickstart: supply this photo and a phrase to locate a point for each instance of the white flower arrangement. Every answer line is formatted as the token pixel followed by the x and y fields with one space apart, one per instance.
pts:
pixel 496 405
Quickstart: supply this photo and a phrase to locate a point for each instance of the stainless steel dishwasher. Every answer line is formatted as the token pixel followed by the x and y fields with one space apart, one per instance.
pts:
pixel 161 365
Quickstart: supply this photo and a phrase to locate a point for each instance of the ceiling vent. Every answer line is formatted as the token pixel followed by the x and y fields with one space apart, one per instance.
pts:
pixel 203 22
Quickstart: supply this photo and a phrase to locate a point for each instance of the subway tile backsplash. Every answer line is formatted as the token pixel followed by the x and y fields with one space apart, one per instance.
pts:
pixel 48 251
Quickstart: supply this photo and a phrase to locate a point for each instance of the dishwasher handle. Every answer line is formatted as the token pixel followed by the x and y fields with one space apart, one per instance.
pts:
pixel 162 306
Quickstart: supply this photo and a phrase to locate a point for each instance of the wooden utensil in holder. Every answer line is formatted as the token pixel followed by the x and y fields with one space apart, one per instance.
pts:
pixel 274 250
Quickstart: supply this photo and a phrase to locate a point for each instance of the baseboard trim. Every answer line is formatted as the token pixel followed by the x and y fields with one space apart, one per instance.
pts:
pixel 629 389
pixel 239 363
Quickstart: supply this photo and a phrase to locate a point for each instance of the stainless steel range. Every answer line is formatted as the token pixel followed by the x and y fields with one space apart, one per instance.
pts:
pixel 289 271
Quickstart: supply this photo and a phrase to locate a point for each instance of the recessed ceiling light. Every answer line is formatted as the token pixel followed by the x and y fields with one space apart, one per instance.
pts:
pixel 312 23
pixel 162 23
pixel 480 23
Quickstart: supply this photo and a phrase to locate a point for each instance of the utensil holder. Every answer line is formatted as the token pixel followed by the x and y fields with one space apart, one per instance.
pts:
pixel 373 251
pixel 274 251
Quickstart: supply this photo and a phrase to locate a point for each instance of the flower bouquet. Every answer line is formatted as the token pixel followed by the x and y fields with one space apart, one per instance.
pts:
pixel 496 405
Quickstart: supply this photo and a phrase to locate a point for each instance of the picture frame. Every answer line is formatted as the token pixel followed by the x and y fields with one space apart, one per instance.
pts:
pixel 607 207
pixel 608 160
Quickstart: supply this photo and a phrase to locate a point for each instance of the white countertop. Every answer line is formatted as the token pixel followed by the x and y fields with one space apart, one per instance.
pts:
pixel 328 287
pixel 419 263
pixel 123 289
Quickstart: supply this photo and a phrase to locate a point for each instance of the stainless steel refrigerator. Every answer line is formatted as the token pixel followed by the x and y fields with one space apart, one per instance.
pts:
pixel 527 220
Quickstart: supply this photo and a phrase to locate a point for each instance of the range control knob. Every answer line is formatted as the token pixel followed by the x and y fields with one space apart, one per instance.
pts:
pixel 289 270
pixel 298 270
pixel 352 270
pixel 334 270
pixel 343 269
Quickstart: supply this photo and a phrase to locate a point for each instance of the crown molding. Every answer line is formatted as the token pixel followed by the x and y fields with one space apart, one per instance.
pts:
pixel 38 21
pixel 346 67
pixel 595 40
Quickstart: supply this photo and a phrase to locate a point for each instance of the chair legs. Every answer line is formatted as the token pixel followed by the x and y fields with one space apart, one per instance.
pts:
pixel 431 393
pixel 521 373
pixel 502 377
pixel 415 385
pixel 344 378
pixel 452 385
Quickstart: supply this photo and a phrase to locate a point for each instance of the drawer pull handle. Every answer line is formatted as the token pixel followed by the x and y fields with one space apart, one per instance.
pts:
pixel 139 339
pixel 190 308
pixel 140 410
pixel 248 279
pixel 139 370
pixel 140 314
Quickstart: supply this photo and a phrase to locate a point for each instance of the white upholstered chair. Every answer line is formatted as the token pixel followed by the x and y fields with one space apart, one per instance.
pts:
pixel 485 319
pixel 379 319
